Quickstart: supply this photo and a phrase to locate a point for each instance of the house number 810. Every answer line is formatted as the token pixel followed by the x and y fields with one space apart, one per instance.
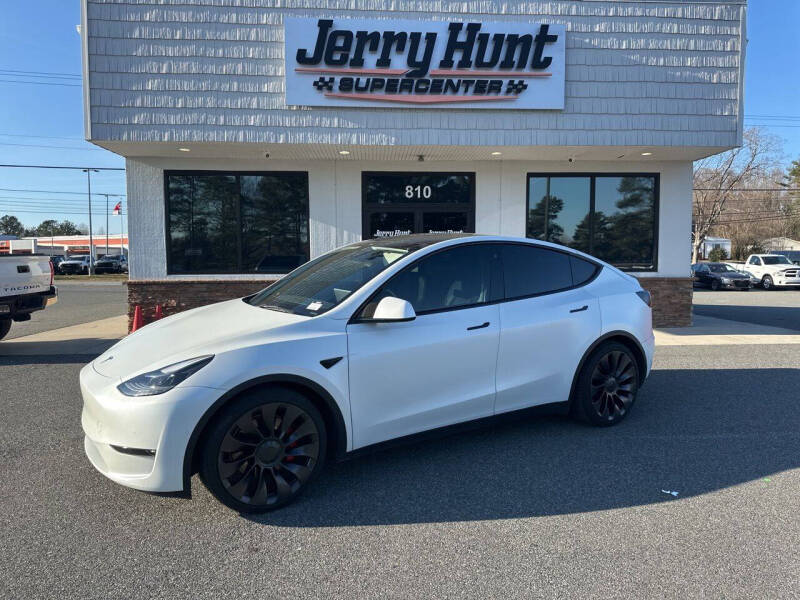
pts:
pixel 418 191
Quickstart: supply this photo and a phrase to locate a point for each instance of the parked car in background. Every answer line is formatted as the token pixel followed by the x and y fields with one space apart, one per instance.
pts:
pixel 26 285
pixel 720 276
pixel 792 255
pixel 74 265
pixel 773 270
pixel 56 259
pixel 374 341
pixel 111 263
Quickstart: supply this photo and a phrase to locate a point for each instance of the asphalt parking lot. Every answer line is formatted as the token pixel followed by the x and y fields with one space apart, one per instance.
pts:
pixel 539 507
pixel 78 302
pixel 774 308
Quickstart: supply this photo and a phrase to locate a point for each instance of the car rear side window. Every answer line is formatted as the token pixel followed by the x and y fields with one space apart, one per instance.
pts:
pixel 531 270
pixel 582 270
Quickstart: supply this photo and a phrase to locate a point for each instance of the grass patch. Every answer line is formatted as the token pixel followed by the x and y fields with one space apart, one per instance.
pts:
pixel 103 277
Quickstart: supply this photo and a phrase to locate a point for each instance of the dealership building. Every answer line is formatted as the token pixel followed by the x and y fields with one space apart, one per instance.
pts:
pixel 260 134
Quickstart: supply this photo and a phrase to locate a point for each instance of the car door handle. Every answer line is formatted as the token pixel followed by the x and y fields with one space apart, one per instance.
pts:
pixel 481 326
pixel 581 309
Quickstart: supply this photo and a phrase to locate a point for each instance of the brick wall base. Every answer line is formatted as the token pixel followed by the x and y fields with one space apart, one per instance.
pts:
pixel 177 296
pixel 672 297
pixel 672 300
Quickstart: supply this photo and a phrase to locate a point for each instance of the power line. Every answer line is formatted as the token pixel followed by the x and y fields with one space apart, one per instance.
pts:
pixel 53 147
pixel 777 189
pixel 48 137
pixel 59 192
pixel 41 73
pixel 42 83
pixel 60 167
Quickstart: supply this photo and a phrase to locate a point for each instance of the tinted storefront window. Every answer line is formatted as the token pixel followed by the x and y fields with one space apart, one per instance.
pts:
pixel 611 217
pixel 417 202
pixel 237 223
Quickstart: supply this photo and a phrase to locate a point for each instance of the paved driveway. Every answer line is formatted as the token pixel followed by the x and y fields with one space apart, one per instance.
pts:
pixel 775 308
pixel 536 508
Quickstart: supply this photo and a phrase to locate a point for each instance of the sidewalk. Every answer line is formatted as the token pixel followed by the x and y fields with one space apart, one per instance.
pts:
pixel 97 336
pixel 94 337
pixel 708 331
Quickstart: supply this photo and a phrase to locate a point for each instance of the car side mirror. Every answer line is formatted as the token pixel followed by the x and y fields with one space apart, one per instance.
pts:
pixel 392 310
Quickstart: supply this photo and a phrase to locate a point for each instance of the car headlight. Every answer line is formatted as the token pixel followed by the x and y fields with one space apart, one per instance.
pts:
pixel 164 379
pixel 725 280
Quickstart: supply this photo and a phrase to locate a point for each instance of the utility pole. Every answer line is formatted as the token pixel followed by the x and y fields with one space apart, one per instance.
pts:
pixel 91 238
pixel 106 195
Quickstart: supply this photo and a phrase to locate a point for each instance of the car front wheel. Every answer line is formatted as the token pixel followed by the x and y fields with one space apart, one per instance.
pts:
pixel 264 449
pixel 766 283
pixel 607 385
pixel 715 285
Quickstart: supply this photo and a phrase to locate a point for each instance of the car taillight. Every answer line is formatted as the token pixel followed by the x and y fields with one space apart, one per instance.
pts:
pixel 645 296
pixel 52 272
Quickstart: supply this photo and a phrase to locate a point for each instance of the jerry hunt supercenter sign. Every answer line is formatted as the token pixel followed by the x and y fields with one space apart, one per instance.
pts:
pixel 355 63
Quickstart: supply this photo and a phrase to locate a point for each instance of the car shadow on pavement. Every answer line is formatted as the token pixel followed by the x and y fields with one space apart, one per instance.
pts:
pixel 691 431
pixel 92 347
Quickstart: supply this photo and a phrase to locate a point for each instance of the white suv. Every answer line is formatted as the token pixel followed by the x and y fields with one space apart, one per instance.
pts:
pixel 374 341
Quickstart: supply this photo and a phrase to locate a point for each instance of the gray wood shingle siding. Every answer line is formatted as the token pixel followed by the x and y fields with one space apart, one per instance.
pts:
pixel 638 73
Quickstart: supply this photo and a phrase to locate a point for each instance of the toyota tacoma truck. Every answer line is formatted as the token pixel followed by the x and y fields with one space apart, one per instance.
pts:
pixel 26 285
pixel 773 270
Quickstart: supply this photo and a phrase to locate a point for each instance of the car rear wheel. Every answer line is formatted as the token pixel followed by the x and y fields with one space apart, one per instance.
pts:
pixel 607 385
pixel 264 449
pixel 5 327
pixel 767 283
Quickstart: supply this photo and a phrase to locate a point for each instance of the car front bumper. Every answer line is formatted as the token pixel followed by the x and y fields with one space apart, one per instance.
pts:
pixel 140 442
pixel 742 284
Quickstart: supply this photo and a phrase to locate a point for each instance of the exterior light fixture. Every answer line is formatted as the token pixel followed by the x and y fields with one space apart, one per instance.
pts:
pixel 184 150
pixel 647 154
pixel 344 152
pixel 496 153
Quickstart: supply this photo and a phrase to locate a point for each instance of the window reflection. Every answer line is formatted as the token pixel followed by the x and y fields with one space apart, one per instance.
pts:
pixel 620 230
pixel 231 223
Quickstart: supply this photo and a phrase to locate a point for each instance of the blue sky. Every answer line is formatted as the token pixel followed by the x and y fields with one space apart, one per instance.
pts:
pixel 42 123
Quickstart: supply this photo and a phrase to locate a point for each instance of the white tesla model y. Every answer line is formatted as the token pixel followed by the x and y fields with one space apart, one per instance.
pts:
pixel 374 341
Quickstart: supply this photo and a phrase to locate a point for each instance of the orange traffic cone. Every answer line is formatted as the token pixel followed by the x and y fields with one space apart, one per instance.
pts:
pixel 159 312
pixel 137 318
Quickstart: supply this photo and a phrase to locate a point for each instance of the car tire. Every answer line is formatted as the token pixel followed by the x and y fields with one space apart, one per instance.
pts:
pixel 607 385
pixel 263 449
pixel 715 285
pixel 5 327
pixel 767 283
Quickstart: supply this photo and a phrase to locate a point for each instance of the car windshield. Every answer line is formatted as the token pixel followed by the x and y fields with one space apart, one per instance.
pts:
pixel 776 260
pixel 721 269
pixel 326 281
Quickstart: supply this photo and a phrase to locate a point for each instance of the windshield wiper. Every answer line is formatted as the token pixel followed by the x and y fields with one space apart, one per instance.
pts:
pixel 277 308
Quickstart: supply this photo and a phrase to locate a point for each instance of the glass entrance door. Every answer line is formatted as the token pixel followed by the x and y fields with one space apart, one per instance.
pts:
pixel 405 203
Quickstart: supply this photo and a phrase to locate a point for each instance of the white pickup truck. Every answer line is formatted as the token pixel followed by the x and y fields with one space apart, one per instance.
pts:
pixel 772 270
pixel 26 285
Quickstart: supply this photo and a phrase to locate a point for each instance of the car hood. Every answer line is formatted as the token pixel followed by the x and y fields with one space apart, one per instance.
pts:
pixel 207 330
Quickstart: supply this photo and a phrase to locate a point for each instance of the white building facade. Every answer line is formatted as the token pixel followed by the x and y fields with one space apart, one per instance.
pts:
pixel 250 151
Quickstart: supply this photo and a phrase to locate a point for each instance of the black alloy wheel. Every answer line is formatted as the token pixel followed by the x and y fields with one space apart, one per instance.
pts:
pixel 766 283
pixel 715 285
pixel 264 449
pixel 607 385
